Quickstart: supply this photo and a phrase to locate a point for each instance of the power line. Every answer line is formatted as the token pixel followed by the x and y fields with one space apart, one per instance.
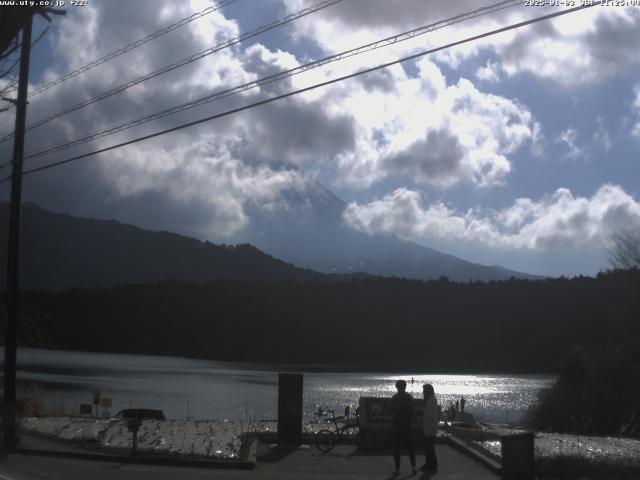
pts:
pixel 10 48
pixel 179 63
pixel 306 89
pixel 10 69
pixel 9 88
pixel 280 76
pixel 133 45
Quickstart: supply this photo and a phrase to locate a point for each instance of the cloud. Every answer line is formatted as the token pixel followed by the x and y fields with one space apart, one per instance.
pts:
pixel 204 173
pixel 356 21
pixel 575 49
pixel 295 131
pixel 389 124
pixel 568 137
pixel 489 73
pixel 217 169
pixel 425 131
pixel 436 157
pixel 602 136
pixel 555 221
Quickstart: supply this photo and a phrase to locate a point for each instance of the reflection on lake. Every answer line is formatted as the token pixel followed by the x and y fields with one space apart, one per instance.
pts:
pixel 203 389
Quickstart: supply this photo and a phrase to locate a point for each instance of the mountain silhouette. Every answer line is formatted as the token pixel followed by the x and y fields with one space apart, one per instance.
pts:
pixel 312 234
pixel 59 251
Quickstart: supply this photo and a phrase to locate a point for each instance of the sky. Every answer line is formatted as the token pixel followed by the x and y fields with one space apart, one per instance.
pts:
pixel 519 149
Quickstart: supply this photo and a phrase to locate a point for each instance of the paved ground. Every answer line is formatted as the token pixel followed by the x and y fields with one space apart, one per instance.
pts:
pixel 344 463
pixel 37 442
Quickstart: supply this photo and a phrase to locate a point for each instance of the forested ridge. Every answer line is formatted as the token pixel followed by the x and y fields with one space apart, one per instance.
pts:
pixel 368 323
pixel 59 251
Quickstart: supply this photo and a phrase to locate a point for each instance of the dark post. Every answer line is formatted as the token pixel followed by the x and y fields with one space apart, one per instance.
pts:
pixel 518 461
pixel 10 342
pixel 133 425
pixel 96 400
pixel 290 409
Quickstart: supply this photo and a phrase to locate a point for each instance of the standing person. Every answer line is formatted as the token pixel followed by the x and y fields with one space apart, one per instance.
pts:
pixel 402 409
pixel 462 403
pixel 430 422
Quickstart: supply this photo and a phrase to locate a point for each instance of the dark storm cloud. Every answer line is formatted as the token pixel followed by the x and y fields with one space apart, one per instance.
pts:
pixel 123 22
pixel 518 49
pixel 186 181
pixel 299 132
pixel 434 159
pixel 615 40
pixel 111 25
pixel 261 62
pixel 381 80
pixel 589 46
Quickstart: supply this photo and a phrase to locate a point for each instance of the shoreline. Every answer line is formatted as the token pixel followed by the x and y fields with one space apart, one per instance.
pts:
pixel 211 439
pixel 222 440
pixel 288 367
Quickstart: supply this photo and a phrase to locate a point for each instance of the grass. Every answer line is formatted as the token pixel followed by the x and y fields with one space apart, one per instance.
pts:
pixel 577 467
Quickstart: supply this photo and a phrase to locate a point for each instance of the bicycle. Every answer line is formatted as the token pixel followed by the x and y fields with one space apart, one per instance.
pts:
pixel 326 439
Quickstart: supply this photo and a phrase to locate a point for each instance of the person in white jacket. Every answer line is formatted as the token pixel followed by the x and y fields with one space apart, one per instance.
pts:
pixel 430 421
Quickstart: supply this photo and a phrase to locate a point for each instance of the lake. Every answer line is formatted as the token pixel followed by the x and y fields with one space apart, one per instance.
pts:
pixel 203 389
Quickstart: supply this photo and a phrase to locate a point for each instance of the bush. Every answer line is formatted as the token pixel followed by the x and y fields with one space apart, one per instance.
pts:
pixel 595 394
pixel 572 467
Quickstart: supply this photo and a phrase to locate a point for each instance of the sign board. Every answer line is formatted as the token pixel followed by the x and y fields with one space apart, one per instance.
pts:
pixel 86 409
pixel 96 397
pixel 375 412
pixel 105 403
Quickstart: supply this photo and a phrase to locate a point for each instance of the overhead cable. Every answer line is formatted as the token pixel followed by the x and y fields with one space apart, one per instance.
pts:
pixel 279 76
pixel 306 89
pixel 180 63
pixel 133 45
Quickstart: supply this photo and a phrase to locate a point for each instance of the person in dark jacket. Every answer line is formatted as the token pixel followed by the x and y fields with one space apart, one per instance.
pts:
pixel 402 409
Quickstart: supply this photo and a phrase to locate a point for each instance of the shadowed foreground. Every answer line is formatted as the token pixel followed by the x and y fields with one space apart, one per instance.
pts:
pixel 271 464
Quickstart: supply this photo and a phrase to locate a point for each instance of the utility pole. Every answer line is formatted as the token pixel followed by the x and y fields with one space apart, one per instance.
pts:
pixel 12 310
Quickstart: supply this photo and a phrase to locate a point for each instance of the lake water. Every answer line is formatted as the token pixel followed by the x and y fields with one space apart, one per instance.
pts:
pixel 203 389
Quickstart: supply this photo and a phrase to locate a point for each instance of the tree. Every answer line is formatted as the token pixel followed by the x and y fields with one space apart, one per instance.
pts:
pixel 624 251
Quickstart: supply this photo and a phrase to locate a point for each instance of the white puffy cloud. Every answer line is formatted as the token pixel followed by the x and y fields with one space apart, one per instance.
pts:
pixel 206 173
pixel 386 124
pixel 558 220
pixel 355 22
pixel 408 125
pixel 574 49
pixel 423 129
pixel 219 168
